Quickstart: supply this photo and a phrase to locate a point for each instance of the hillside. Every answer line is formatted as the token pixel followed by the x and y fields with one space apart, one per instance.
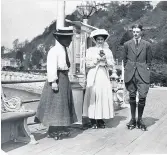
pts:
pixel 116 20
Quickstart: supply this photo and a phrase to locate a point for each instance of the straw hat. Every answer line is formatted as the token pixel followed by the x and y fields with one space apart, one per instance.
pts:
pixel 99 32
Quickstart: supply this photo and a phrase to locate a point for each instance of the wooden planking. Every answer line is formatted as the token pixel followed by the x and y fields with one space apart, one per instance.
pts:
pixel 115 139
pixel 148 140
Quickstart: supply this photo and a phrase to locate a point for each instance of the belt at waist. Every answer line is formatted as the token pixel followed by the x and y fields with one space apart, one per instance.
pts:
pixel 63 71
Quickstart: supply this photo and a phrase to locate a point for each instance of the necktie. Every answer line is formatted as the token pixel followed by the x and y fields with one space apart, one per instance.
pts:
pixel 67 58
pixel 137 42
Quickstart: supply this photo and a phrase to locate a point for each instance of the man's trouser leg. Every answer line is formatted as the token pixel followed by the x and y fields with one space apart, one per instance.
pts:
pixel 131 87
pixel 142 89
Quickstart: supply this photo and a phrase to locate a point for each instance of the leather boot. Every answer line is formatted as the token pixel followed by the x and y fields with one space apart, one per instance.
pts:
pixel 133 107
pixel 141 106
pixel 140 123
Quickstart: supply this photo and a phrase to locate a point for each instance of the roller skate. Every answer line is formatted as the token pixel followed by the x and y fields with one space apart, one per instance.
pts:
pixel 61 135
pixel 132 124
pixel 94 124
pixel 51 135
pixel 101 124
pixel 141 125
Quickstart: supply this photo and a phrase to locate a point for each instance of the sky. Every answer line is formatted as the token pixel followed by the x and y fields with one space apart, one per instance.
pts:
pixel 25 19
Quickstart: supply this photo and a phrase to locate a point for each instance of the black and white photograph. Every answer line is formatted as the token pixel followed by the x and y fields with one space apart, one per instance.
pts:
pixel 83 77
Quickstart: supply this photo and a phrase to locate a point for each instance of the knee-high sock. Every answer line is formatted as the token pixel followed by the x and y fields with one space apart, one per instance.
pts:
pixel 133 107
pixel 141 106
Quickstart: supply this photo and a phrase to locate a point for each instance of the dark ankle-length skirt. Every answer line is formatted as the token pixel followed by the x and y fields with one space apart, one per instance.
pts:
pixel 57 108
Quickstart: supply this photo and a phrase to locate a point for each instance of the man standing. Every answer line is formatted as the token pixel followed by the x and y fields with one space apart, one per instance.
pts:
pixel 137 58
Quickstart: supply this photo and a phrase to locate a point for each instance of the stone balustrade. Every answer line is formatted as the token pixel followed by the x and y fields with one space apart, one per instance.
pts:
pixel 35 87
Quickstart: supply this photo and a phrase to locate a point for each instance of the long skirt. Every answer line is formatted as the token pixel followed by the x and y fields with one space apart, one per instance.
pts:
pixel 57 108
pixel 98 100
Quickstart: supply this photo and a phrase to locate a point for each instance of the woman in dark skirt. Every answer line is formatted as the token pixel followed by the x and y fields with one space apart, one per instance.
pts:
pixel 56 109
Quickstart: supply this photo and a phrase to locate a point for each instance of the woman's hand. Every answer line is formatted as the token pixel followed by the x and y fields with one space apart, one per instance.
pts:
pixel 103 63
pixel 55 86
pixel 103 58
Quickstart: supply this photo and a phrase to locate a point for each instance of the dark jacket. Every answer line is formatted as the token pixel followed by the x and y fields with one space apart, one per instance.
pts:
pixel 137 58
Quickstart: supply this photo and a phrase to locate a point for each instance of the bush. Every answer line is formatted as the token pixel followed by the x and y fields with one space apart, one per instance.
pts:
pixel 158 79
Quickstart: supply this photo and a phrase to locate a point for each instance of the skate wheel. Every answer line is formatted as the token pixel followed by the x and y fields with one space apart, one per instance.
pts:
pixel 128 126
pixel 56 138
pixel 143 129
pixel 48 136
pixel 94 127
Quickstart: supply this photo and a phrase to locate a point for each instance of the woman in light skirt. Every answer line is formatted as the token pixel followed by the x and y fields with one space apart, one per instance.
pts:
pixel 98 100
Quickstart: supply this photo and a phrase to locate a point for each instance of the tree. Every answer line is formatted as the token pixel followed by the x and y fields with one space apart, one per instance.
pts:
pixel 2 49
pixel 36 59
pixel 162 5
pixel 15 44
pixel 136 9
pixel 127 36
pixel 19 57
pixel 117 11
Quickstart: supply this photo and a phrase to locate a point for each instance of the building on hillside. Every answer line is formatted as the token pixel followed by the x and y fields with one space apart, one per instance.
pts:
pixel 8 62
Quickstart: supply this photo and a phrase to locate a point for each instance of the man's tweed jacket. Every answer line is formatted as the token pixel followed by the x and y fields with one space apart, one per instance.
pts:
pixel 137 58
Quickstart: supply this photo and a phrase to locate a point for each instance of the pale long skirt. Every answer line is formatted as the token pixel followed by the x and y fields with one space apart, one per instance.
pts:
pixel 98 100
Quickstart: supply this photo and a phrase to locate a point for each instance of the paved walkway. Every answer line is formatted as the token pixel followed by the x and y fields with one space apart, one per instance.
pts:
pixel 116 139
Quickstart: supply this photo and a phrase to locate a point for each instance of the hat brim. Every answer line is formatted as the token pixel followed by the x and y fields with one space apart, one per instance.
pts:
pixel 105 39
pixel 63 34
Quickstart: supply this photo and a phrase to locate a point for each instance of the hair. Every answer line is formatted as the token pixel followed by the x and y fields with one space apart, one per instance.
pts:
pixel 137 26
pixel 104 36
pixel 59 37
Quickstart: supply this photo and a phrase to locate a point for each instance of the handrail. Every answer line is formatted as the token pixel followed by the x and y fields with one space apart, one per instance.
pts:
pixel 29 101
pixel 22 81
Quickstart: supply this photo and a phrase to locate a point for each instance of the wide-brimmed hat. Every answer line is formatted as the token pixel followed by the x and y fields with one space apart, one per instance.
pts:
pixel 64 31
pixel 99 32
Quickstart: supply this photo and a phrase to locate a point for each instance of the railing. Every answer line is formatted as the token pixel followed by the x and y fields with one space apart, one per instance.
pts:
pixel 3 96
pixel 18 78
pixel 8 105
pixel 24 81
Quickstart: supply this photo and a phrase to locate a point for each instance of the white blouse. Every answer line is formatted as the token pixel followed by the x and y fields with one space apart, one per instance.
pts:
pixel 92 56
pixel 56 60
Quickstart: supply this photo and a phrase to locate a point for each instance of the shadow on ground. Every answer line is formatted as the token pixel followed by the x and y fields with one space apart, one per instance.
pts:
pixel 149 121
pixel 114 122
pixel 74 131
pixel 11 146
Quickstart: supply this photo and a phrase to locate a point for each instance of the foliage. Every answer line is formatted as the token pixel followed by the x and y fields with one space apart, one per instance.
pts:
pixel 2 50
pixel 137 9
pixel 162 5
pixel 19 56
pixel 160 79
pixel 36 59
pixel 115 19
